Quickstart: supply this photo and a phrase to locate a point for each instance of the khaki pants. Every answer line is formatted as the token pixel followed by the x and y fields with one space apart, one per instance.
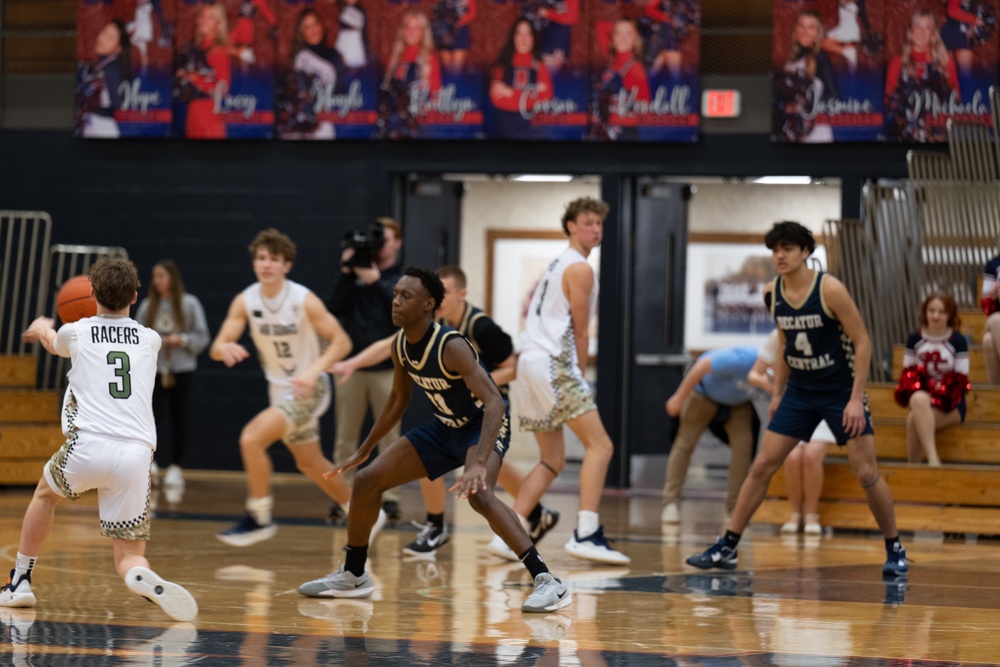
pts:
pixel 696 414
pixel 362 390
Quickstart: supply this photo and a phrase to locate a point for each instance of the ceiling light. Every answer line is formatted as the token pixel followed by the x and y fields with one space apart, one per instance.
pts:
pixel 543 178
pixel 784 180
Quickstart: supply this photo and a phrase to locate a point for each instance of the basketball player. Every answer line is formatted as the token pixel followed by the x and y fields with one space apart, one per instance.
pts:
pixel 551 390
pixel 110 438
pixel 821 375
pixel 496 351
pixel 286 322
pixel 471 428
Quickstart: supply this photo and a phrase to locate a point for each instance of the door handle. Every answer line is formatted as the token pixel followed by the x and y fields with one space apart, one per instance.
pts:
pixel 662 359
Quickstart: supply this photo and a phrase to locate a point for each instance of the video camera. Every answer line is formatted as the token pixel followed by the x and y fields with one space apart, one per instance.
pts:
pixel 366 245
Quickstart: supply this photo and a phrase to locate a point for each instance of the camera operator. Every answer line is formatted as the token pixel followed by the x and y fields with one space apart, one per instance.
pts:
pixel 362 301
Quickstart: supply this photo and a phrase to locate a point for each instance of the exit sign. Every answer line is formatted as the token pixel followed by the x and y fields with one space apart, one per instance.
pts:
pixel 720 103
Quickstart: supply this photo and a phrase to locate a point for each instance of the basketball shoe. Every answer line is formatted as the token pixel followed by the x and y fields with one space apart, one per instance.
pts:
pixel 172 598
pixel 550 594
pixel 718 555
pixel 546 522
pixel 429 539
pixel 247 532
pixel 19 594
pixel 595 547
pixel 339 584
pixel 896 564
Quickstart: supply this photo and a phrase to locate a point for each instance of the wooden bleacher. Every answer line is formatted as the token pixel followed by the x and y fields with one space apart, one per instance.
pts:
pixel 962 496
pixel 29 422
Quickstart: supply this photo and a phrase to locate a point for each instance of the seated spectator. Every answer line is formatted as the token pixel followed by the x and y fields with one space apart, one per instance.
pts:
pixel 935 377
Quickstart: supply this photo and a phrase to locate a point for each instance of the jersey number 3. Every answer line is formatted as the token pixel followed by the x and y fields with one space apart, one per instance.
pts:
pixel 122 387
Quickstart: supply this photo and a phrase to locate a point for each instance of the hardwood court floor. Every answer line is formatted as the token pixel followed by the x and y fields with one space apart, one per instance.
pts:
pixel 791 603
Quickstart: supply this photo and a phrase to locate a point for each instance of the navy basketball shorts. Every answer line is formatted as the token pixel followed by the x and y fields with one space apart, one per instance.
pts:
pixel 800 412
pixel 442 448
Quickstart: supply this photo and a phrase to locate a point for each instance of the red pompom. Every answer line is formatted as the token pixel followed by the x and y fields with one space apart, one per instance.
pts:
pixel 989 305
pixel 949 391
pixel 911 380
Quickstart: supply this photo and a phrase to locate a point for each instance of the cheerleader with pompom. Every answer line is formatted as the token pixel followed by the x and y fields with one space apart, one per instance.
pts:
pixel 935 377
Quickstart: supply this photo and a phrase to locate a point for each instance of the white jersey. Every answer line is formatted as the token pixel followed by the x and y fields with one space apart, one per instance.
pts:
pixel 549 322
pixel 282 333
pixel 111 381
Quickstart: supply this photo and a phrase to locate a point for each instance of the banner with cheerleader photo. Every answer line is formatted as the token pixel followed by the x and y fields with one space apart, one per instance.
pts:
pixel 430 84
pixel 644 71
pixel 537 76
pixel 224 69
pixel 124 54
pixel 829 70
pixel 327 82
pixel 942 61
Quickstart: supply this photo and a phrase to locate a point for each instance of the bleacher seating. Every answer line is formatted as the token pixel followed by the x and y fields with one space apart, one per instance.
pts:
pixel 29 421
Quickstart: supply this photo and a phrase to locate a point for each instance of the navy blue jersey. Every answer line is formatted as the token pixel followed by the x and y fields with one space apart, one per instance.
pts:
pixel 489 341
pixel 819 354
pixel 454 403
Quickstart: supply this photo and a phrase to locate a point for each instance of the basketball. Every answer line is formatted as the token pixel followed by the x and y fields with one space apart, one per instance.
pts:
pixel 74 302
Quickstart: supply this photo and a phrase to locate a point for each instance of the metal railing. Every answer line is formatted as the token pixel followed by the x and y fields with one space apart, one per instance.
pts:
pixel 24 273
pixel 934 231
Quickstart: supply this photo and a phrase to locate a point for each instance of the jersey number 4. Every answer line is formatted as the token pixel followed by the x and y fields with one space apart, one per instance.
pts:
pixel 803 345
pixel 122 387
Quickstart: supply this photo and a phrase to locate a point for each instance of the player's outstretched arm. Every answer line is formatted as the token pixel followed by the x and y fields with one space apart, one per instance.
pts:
pixel 459 358
pixel 760 378
pixel 375 353
pixel 224 347
pixel 41 330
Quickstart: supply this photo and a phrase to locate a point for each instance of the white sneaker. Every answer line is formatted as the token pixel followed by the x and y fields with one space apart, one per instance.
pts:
pixel 811 526
pixel 499 548
pixel 595 547
pixel 793 523
pixel 550 594
pixel 172 598
pixel 339 584
pixel 174 477
pixel 671 513
pixel 17 595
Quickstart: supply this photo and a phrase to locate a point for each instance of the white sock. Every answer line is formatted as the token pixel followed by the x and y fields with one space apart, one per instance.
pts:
pixel 587 524
pixel 23 567
pixel 260 509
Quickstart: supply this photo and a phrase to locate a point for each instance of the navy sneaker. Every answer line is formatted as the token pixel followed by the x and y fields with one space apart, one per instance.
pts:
pixel 896 564
pixel 546 522
pixel 247 532
pixel 718 555
pixel 429 539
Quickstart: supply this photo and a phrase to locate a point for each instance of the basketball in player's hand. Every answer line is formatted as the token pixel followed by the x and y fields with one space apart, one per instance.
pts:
pixel 74 302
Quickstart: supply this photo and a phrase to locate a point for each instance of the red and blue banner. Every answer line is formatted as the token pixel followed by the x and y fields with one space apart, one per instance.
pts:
pixel 562 70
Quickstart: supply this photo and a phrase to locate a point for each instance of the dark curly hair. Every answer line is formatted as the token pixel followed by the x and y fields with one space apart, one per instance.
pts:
pixel 430 280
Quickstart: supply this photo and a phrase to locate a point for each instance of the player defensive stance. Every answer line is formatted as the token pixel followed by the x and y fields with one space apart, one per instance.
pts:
pixel 110 439
pixel 472 428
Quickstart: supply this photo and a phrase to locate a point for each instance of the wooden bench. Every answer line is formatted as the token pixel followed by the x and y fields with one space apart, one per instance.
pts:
pixel 962 496
pixel 29 421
